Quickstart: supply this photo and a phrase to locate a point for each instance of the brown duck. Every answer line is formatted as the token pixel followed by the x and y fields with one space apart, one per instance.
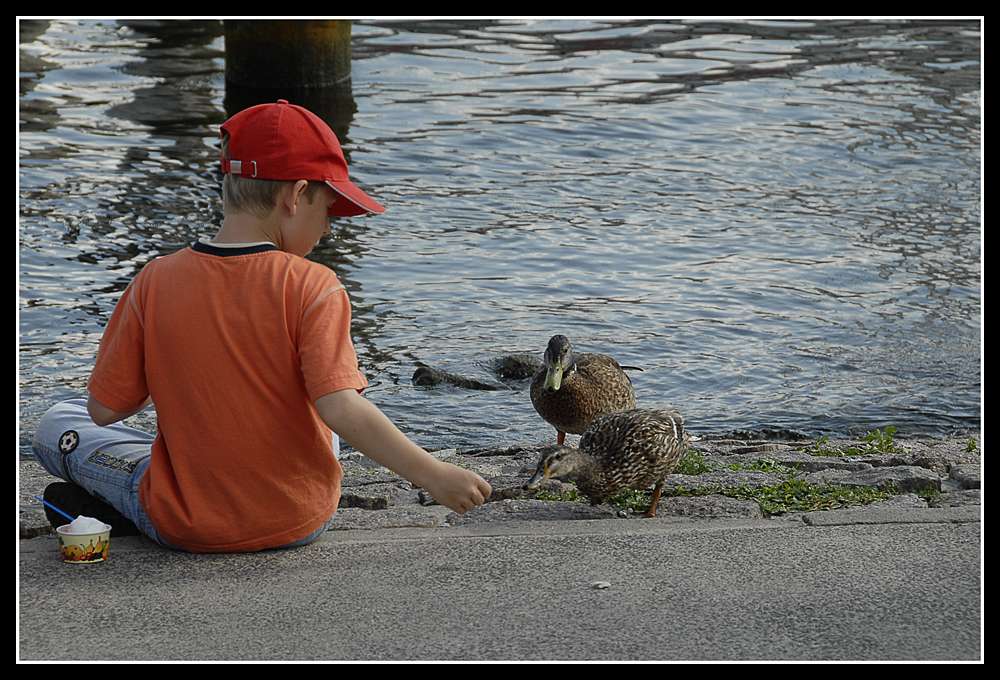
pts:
pixel 571 389
pixel 633 449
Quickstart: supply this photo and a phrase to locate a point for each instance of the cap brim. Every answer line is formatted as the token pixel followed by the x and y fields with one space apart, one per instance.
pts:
pixel 352 201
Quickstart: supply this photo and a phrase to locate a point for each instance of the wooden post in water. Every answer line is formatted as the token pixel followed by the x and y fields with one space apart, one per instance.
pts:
pixel 305 62
pixel 293 54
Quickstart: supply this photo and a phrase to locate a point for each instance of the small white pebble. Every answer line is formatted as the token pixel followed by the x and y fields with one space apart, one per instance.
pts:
pixel 600 585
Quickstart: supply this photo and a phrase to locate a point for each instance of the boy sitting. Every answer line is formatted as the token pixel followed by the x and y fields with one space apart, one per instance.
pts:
pixel 244 347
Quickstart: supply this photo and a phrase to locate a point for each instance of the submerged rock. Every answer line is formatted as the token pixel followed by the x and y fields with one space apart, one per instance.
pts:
pixel 425 376
pixel 505 367
pixel 516 366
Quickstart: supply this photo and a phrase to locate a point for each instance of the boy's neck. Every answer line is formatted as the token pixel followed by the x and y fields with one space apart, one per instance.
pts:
pixel 246 228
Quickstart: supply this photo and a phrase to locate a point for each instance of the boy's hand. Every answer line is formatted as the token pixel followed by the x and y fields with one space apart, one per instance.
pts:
pixel 459 489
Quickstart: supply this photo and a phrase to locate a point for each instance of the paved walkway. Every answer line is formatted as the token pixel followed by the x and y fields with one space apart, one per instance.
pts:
pixel 859 584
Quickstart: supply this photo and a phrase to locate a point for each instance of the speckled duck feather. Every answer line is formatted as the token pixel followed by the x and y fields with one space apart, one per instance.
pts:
pixel 630 449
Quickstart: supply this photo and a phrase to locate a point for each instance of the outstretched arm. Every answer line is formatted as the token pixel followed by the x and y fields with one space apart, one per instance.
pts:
pixel 362 425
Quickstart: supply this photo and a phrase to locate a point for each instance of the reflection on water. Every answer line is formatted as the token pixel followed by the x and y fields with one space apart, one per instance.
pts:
pixel 779 221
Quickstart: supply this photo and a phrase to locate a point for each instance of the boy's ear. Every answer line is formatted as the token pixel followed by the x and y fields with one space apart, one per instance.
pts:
pixel 292 193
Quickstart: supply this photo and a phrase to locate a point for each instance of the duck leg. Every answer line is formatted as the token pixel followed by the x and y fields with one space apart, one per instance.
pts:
pixel 560 437
pixel 656 500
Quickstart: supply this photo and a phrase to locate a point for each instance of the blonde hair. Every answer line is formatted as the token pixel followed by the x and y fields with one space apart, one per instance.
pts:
pixel 255 196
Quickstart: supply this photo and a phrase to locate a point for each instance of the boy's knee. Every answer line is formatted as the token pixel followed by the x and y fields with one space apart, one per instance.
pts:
pixel 58 434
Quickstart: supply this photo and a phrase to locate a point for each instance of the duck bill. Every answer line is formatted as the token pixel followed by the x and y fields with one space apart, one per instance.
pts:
pixel 553 378
pixel 538 478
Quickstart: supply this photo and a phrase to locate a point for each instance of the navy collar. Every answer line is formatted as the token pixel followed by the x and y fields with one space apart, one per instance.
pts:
pixel 232 251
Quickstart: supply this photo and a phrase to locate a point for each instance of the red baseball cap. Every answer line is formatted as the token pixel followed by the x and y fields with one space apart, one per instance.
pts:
pixel 287 142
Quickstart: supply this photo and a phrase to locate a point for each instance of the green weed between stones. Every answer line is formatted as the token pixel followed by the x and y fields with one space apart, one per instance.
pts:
pixel 794 495
pixel 877 442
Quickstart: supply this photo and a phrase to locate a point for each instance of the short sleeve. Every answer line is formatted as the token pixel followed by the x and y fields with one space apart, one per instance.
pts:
pixel 326 352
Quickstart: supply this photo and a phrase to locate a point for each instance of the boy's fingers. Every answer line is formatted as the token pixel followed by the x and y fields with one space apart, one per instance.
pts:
pixel 485 489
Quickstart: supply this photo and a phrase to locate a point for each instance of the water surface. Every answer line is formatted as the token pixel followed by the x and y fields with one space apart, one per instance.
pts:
pixel 780 222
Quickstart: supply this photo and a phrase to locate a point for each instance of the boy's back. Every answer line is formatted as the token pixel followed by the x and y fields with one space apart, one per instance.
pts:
pixel 234 344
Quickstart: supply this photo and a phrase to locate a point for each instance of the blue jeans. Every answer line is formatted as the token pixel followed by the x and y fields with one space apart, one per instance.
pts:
pixel 107 462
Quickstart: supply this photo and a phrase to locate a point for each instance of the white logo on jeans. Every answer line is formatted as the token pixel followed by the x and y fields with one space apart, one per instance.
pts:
pixel 68 441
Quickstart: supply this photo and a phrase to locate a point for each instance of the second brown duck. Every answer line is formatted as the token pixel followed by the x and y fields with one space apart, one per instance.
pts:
pixel 633 449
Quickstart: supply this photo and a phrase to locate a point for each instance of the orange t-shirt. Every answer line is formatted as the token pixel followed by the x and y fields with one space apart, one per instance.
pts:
pixel 233 345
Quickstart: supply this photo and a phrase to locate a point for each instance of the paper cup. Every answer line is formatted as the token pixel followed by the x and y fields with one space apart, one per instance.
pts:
pixel 83 548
